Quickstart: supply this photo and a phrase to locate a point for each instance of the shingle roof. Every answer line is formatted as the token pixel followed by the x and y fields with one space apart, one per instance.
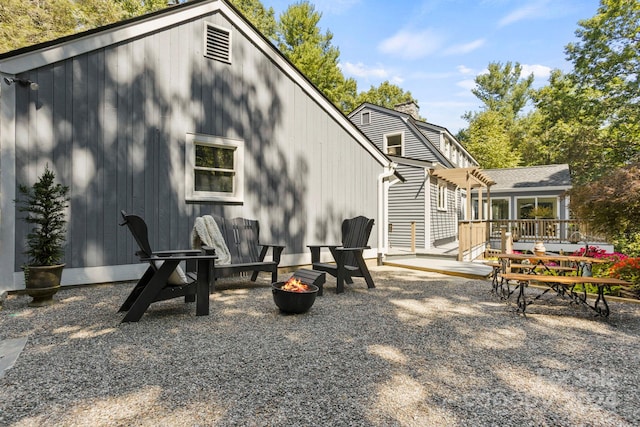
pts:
pixel 530 177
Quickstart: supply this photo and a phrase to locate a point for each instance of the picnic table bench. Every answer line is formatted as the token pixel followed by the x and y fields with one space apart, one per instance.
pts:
pixel 500 267
pixel 563 286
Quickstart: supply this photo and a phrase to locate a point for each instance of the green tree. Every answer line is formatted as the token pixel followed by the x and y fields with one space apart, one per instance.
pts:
pixel 571 129
pixel 27 22
pixel 526 137
pixel 385 95
pixel 500 125
pixel 133 8
pixel 486 140
pixel 299 38
pixel 503 89
pixel 606 62
pixel 263 19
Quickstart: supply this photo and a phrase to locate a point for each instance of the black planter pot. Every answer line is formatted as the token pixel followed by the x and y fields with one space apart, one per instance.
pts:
pixel 293 302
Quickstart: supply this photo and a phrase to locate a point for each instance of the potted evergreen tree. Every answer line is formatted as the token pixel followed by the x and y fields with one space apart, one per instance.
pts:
pixel 44 204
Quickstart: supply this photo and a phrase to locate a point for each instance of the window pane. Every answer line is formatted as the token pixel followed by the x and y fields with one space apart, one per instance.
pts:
pixel 500 209
pixel 214 157
pixel 525 206
pixel 220 182
pixel 395 151
pixel 547 207
pixel 394 145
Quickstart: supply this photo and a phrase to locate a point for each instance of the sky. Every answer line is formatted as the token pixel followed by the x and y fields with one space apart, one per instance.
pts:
pixel 435 48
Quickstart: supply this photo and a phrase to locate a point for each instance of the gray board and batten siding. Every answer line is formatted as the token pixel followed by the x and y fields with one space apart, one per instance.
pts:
pixel 407 206
pixel 112 123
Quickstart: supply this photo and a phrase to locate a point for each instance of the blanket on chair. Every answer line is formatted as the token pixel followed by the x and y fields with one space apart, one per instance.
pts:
pixel 206 233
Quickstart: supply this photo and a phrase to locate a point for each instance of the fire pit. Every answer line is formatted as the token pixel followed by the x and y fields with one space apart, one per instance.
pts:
pixel 293 296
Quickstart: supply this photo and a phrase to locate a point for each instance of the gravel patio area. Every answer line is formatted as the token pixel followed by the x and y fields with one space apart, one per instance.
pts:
pixel 420 349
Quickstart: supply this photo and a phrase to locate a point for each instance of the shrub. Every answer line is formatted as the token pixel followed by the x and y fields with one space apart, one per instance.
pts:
pixel 628 269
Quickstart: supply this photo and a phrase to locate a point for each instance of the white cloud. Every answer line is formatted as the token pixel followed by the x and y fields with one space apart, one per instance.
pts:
pixel 464 70
pixel 467 84
pixel 532 10
pixel 539 71
pixel 362 71
pixel 461 49
pixel 411 45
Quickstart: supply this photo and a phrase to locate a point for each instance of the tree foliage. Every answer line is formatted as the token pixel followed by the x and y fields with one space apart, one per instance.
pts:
pixel 606 64
pixel 588 117
pixel 300 39
pixel 486 140
pixel 262 18
pixel 570 128
pixel 499 127
pixel 27 22
pixel 503 89
pixel 611 203
pixel 386 95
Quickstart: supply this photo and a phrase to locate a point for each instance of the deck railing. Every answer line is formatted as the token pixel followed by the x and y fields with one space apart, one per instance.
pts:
pixel 474 235
pixel 545 230
pixel 472 239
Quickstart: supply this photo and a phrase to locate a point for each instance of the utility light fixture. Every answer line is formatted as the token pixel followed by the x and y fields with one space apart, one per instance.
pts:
pixel 22 82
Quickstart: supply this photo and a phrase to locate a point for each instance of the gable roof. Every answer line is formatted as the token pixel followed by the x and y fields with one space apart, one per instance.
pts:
pixel 546 177
pixel 28 58
pixel 420 129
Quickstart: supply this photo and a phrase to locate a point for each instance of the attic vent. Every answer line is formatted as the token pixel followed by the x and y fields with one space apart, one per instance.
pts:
pixel 217 43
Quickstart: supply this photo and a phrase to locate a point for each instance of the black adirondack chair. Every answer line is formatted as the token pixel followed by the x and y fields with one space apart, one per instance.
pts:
pixel 242 237
pixel 349 261
pixel 161 280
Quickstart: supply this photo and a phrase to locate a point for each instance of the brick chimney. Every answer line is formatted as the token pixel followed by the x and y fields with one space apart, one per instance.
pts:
pixel 410 108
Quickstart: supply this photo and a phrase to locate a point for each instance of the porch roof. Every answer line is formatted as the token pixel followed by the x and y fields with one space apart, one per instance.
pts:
pixel 472 177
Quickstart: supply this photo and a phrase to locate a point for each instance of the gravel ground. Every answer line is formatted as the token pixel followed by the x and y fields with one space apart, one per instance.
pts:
pixel 421 349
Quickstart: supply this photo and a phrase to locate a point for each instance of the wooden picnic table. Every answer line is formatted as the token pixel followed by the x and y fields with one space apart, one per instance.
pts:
pixel 563 286
pixel 551 262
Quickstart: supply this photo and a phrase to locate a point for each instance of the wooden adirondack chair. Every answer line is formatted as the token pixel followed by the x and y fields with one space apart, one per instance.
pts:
pixel 242 237
pixel 349 261
pixel 164 279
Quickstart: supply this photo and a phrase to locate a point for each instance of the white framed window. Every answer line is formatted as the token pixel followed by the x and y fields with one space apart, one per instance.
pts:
pixel 537 207
pixel 393 144
pixel 214 169
pixel 366 117
pixel 442 195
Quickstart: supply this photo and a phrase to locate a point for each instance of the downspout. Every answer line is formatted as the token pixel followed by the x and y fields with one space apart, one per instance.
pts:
pixel 383 208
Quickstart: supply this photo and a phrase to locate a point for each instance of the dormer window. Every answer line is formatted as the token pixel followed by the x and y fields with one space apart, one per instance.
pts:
pixel 393 144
